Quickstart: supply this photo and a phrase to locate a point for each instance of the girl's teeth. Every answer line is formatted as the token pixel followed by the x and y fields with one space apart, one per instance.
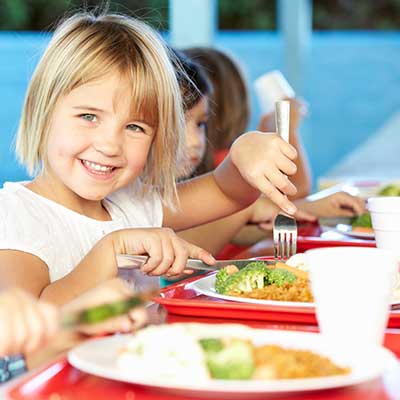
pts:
pixel 97 167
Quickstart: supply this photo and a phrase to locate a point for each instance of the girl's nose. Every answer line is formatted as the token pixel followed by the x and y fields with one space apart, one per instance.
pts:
pixel 109 143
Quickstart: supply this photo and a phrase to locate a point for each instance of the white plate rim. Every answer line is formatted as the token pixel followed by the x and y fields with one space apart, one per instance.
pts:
pixel 276 303
pixel 77 359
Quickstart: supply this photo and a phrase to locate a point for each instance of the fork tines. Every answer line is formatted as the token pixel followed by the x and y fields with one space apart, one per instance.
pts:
pixel 285 237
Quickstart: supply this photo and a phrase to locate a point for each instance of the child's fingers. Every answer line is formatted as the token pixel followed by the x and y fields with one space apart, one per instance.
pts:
pixel 276 196
pixel 288 150
pixel 305 216
pixel 181 256
pixel 200 254
pixel 168 257
pixel 155 252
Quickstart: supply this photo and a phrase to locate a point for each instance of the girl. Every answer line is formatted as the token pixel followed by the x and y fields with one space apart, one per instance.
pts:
pixel 102 130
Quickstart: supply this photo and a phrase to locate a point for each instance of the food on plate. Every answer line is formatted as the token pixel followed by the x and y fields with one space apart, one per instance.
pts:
pixel 258 280
pixel 362 223
pixel 390 190
pixel 192 352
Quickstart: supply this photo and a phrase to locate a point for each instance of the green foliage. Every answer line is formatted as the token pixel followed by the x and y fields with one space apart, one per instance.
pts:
pixel 44 14
pixel 233 361
pixel 232 14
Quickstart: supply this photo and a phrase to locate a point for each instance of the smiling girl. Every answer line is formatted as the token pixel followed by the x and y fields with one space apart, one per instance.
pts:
pixel 102 132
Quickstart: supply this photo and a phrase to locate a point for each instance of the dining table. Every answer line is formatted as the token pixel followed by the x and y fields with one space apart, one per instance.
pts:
pixel 52 377
pixel 56 379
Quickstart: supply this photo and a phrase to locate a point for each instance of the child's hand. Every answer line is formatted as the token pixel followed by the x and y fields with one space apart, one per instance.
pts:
pixel 339 204
pixel 107 292
pixel 264 213
pixel 264 160
pixel 298 110
pixel 167 252
pixel 26 323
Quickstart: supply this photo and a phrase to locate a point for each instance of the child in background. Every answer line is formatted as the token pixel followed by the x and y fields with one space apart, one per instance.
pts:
pixel 229 117
pixel 102 131
pixel 230 113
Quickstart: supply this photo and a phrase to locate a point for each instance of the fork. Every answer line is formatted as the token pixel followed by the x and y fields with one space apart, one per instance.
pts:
pixel 285 227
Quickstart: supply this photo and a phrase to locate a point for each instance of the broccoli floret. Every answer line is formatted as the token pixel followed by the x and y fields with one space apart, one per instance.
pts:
pixel 390 190
pixel 211 345
pixel 234 361
pixel 364 220
pixel 223 275
pixel 280 276
pixel 252 276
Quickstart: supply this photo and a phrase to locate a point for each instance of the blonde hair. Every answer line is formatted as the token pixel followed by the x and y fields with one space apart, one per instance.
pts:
pixel 86 47
pixel 230 105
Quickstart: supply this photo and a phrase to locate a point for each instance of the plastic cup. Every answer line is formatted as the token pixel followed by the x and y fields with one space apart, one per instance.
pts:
pixel 352 288
pixel 272 87
pixel 385 216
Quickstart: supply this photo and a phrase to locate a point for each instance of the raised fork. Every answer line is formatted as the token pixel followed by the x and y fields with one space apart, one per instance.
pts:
pixel 285 228
pixel 285 237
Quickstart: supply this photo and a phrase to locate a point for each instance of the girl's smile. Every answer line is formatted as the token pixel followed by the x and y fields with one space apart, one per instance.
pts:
pixel 96 144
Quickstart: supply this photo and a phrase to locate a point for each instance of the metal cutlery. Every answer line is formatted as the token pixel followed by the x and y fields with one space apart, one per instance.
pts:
pixel 136 261
pixel 285 227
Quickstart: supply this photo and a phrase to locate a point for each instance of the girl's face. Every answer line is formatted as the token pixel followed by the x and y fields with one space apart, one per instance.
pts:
pixel 196 134
pixel 95 145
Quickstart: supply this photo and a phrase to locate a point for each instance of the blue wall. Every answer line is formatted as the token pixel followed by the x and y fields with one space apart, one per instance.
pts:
pixel 352 86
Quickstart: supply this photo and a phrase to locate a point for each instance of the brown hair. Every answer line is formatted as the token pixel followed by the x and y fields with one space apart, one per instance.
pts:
pixel 230 107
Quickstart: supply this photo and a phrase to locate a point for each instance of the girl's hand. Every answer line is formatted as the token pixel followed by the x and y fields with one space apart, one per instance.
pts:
pixel 339 204
pixel 107 292
pixel 264 213
pixel 26 322
pixel 264 160
pixel 167 252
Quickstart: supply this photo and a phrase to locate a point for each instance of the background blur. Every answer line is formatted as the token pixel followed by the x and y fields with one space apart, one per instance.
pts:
pixel 342 56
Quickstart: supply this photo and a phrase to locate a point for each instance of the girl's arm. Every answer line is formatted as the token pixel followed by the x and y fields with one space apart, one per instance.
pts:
pixel 257 162
pixel 167 255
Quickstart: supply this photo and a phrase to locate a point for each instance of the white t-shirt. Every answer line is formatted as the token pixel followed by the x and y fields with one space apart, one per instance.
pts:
pixel 62 237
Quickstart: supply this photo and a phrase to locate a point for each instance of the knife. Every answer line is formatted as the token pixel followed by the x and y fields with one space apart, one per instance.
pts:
pixel 136 261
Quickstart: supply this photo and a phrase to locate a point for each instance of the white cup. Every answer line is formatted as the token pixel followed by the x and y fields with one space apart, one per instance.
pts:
pixel 352 288
pixel 385 217
pixel 272 87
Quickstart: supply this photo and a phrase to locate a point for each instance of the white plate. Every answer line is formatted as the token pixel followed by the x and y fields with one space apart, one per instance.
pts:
pixel 206 286
pixel 348 230
pixel 98 357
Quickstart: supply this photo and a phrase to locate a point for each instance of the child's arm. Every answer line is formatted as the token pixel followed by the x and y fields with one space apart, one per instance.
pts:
pixel 167 255
pixel 257 162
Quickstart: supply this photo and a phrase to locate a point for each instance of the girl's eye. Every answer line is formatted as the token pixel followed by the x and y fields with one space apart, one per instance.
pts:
pixel 88 117
pixel 202 125
pixel 135 128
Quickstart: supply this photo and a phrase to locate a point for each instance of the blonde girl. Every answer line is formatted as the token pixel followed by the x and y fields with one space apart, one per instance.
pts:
pixel 102 133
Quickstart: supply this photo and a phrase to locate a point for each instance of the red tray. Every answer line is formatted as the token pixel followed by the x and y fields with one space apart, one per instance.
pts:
pixel 311 236
pixel 182 300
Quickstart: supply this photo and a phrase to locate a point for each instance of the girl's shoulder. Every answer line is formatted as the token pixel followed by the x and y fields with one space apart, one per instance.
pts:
pixel 18 203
